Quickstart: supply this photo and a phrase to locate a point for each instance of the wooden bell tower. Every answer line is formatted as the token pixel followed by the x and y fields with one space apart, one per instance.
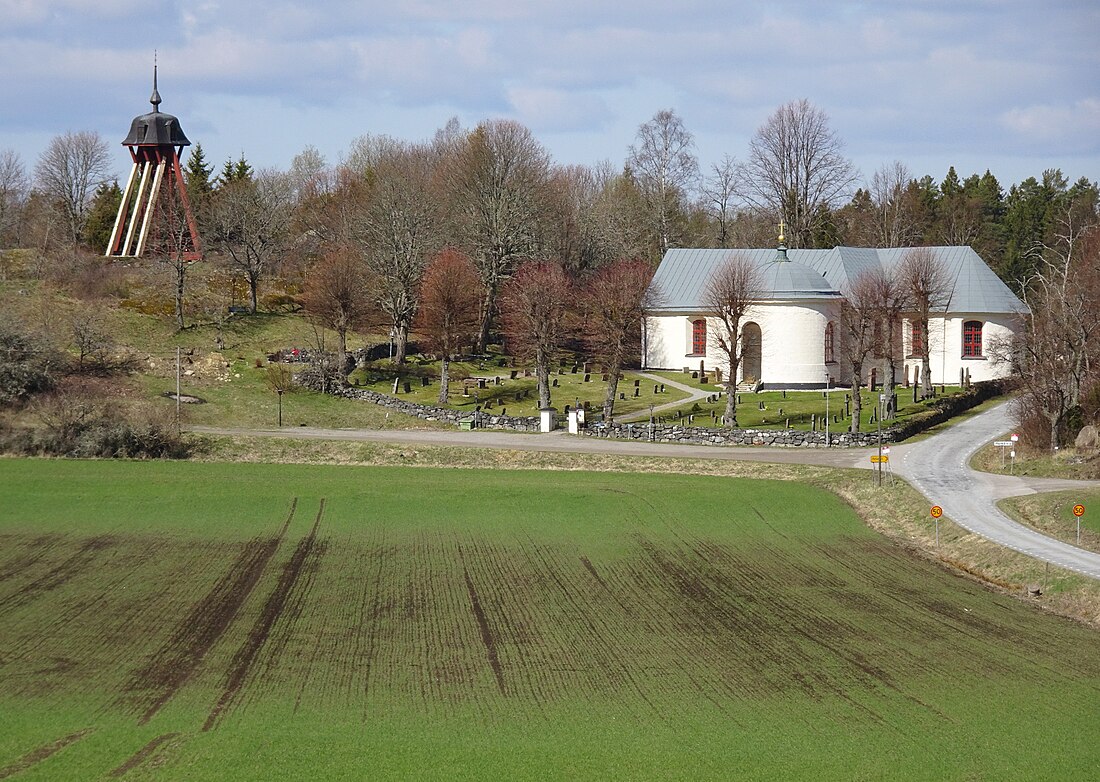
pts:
pixel 155 215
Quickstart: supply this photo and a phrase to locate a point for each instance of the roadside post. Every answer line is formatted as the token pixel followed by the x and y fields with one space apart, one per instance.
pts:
pixel 1078 511
pixel 1002 444
pixel 1015 438
pixel 936 512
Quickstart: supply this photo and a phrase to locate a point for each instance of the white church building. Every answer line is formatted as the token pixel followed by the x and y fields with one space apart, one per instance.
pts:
pixel 791 335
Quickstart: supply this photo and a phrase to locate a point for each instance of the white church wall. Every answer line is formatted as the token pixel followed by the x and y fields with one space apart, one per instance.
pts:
pixel 793 342
pixel 946 347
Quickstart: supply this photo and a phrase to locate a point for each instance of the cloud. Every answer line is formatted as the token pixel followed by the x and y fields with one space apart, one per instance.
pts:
pixel 1075 127
pixel 550 110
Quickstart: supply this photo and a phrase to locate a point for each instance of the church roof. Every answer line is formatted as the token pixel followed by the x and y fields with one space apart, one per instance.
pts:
pixel 680 281
pixel 156 127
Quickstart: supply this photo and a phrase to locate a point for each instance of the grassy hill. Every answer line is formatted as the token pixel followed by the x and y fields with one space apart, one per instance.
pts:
pixel 237 621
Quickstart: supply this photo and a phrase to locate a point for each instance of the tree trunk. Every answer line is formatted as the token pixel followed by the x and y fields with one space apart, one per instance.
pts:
pixel 612 368
pixel 444 380
pixel 542 376
pixel 400 341
pixel 181 273
pixel 857 400
pixel 925 361
pixel 342 352
pixel 253 290
pixel 730 416
pixel 486 319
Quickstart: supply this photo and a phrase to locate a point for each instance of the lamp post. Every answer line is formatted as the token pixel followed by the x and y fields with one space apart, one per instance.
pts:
pixel 828 383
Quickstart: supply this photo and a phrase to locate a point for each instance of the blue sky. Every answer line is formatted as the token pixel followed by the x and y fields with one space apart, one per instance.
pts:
pixel 1006 85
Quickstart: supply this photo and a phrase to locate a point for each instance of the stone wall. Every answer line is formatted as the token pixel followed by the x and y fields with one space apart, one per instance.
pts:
pixel 697 435
pixel 430 413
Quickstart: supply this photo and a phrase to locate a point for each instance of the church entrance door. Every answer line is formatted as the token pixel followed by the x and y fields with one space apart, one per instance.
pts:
pixel 750 368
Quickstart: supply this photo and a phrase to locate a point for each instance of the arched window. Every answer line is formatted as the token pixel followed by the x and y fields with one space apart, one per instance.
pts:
pixel 972 339
pixel 829 336
pixel 699 337
pixel 916 343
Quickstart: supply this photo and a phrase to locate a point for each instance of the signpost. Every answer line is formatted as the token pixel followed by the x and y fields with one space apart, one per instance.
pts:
pixel 937 511
pixel 1078 511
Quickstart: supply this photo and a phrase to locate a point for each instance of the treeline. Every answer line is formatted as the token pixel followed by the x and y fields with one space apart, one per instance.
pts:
pixel 492 194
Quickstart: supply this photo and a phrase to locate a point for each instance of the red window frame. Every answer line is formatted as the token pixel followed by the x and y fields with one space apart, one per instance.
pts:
pixel 699 337
pixel 830 333
pixel 916 344
pixel 972 339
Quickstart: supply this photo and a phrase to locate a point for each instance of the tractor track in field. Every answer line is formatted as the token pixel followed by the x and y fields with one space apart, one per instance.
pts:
pixel 152 686
pixel 58 576
pixel 38 548
pixel 487 639
pixel 245 657
pixel 36 756
pixel 143 755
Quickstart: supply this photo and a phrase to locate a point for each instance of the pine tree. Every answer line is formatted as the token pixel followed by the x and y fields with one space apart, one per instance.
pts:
pixel 101 216
pixel 197 173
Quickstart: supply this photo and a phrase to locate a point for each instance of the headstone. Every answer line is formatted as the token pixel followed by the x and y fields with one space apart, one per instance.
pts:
pixel 622 395
pixel 637 391
pixel 425 382
pixel 637 382
pixel 396 384
pixel 704 379
pixel 784 393
pixel 481 383
pixel 496 380
pixel 662 388
pixel 555 383
pixel 574 369
pixel 587 378
pixel 694 375
pixel 512 374
pixel 408 387
pixel 605 377
pixel 655 387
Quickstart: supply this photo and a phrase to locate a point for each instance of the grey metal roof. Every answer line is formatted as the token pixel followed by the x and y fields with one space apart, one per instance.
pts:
pixel 156 127
pixel 681 278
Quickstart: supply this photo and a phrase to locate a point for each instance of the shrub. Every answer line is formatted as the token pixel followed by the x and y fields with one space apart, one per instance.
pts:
pixel 28 365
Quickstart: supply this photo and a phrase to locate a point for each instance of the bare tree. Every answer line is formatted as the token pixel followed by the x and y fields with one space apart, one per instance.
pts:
pixel 169 245
pixel 13 193
pixel 397 230
pixel 891 300
pixel 859 314
pixel 666 169
pixel 68 173
pixel 925 277
pixel 719 190
pixel 448 316
pixel 894 222
pixel 339 295
pixel 613 305
pixel 534 305
pixel 729 295
pixel 497 181
pixel 90 338
pixel 249 221
pixel 796 168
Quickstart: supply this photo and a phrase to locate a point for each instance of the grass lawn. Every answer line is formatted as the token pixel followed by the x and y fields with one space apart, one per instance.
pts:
pixel 245 621
pixel 797 407
pixel 519 395
pixel 1052 514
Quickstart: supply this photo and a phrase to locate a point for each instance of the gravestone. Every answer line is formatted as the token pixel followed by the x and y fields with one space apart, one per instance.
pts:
pixel 587 378
pixel 396 384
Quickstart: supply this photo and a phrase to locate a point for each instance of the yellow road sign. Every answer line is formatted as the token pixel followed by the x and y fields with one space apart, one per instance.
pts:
pixel 879 459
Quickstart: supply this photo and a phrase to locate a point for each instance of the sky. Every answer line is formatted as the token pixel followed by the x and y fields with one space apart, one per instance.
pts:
pixel 1006 85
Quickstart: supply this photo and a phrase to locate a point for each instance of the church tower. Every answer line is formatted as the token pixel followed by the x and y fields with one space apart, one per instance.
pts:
pixel 155 214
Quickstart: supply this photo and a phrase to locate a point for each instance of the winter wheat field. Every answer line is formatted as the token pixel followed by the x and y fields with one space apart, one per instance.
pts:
pixel 205 621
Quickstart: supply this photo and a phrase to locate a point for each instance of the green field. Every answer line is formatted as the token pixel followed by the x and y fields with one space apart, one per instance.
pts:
pixel 206 621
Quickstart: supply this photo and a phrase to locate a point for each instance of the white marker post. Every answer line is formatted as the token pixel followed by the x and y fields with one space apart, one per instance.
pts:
pixel 1015 438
